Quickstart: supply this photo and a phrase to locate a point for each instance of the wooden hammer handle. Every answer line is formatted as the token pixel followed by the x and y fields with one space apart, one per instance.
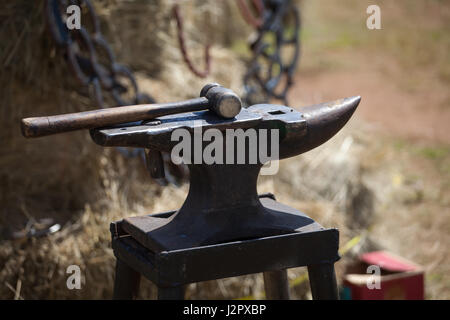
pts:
pixel 42 126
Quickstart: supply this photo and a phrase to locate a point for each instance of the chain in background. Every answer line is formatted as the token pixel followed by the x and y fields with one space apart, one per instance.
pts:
pixel 90 57
pixel 269 75
pixel 92 61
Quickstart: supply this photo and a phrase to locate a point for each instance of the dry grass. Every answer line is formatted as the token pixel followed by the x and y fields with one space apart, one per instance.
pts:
pixel 400 71
pixel 415 35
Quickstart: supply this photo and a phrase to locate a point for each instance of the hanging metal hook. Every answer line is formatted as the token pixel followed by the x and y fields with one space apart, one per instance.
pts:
pixel 255 21
pixel 182 43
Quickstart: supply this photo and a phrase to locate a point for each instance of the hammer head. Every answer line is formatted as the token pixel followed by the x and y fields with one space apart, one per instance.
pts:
pixel 222 101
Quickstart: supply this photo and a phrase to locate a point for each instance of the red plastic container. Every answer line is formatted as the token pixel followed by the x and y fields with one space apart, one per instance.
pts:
pixel 399 279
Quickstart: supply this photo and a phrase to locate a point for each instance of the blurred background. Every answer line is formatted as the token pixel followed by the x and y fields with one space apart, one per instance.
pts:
pixel 383 180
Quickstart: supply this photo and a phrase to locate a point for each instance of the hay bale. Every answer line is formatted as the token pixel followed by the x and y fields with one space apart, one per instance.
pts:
pixel 67 177
pixel 37 81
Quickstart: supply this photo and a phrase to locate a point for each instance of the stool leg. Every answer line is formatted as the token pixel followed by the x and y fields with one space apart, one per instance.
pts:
pixel 171 293
pixel 126 283
pixel 276 285
pixel 322 280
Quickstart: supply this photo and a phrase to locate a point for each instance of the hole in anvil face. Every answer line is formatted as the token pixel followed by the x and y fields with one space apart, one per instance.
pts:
pixel 151 122
pixel 276 112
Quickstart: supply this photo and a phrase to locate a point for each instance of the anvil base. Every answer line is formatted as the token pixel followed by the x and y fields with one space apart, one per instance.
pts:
pixel 173 231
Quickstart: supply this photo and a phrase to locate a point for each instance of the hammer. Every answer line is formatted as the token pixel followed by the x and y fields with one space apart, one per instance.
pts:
pixel 222 101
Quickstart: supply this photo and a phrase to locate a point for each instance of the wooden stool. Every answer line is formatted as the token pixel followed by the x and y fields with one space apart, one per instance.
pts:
pixel 312 246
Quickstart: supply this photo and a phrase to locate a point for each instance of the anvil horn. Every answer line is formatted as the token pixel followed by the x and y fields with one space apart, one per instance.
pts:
pixel 324 120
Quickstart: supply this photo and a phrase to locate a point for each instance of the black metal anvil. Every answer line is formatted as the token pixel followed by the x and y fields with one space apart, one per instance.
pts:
pixel 223 204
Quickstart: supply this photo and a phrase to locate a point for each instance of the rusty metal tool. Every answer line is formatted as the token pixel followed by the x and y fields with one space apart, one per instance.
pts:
pixel 222 101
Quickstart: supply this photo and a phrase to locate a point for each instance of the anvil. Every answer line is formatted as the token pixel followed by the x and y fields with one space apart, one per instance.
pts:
pixel 223 204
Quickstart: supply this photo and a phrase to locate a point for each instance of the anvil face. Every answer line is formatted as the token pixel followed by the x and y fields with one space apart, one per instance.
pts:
pixel 156 134
pixel 299 131
pixel 222 204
